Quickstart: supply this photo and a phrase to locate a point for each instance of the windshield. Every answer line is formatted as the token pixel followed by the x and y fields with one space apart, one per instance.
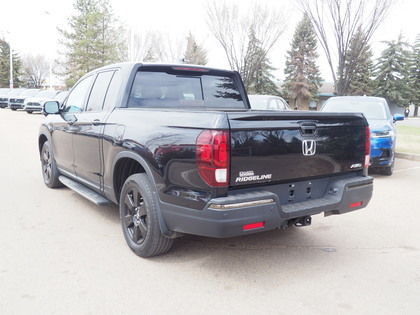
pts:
pixel 162 89
pixel 372 109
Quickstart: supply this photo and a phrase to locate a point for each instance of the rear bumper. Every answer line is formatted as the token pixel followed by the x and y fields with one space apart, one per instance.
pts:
pixel 338 197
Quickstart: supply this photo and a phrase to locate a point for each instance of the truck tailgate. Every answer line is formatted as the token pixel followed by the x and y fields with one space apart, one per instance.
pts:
pixel 287 146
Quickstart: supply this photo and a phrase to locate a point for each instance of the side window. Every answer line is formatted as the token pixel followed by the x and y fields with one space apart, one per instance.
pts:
pixel 272 104
pixel 76 100
pixel 280 104
pixel 99 90
pixel 113 90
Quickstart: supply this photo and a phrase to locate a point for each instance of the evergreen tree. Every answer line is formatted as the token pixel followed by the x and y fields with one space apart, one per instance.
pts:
pixel 93 39
pixel 392 73
pixel 303 78
pixel 361 67
pixel 264 79
pixel 415 76
pixel 194 54
pixel 5 66
pixel 257 69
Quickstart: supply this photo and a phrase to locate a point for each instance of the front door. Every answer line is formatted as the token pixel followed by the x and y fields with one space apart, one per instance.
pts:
pixel 63 129
pixel 88 132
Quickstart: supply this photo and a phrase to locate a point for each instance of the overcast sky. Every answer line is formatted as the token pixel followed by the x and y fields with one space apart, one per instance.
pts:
pixel 31 25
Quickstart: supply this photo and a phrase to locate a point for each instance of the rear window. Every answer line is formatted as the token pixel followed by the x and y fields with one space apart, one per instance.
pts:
pixel 372 109
pixel 184 89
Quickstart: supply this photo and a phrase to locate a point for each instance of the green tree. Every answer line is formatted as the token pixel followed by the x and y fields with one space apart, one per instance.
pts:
pixel 257 69
pixel 392 73
pixel 5 66
pixel 415 76
pixel 303 78
pixel 92 40
pixel 360 64
pixel 264 79
pixel 194 54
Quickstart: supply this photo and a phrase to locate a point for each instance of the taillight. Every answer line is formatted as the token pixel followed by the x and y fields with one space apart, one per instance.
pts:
pixel 367 147
pixel 213 157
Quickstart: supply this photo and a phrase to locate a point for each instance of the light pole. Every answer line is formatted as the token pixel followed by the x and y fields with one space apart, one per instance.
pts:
pixel 47 13
pixel 10 62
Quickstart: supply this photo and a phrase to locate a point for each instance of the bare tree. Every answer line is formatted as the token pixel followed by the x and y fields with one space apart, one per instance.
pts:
pixel 153 46
pixel 235 33
pixel 170 48
pixel 35 70
pixel 142 46
pixel 343 19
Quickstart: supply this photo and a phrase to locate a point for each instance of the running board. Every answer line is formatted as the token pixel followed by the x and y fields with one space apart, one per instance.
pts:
pixel 82 190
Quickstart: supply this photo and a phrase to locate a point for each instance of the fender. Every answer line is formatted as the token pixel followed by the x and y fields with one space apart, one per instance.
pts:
pixel 129 154
pixel 45 131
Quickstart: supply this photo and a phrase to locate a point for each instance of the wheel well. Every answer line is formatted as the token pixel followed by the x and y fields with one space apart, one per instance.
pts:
pixel 124 168
pixel 42 139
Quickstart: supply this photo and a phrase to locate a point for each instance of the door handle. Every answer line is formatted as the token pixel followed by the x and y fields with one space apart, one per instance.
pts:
pixel 96 122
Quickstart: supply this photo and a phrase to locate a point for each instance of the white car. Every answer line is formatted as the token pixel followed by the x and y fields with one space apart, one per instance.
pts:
pixel 268 102
pixel 60 97
pixel 4 99
pixel 35 103
pixel 18 99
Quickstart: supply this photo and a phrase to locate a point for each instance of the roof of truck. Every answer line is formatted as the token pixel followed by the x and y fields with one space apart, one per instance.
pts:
pixel 130 65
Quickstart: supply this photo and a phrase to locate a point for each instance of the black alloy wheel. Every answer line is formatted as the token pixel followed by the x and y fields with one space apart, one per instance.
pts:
pixel 135 215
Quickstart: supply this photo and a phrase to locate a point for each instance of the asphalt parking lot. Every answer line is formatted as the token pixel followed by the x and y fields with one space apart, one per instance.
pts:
pixel 60 254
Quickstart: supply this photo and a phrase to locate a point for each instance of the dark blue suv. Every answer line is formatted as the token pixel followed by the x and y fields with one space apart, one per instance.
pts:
pixel 381 123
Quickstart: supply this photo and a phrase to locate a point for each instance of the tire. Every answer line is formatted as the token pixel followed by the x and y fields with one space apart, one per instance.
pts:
pixel 13 108
pixel 139 218
pixel 50 172
pixel 389 169
pixel 29 111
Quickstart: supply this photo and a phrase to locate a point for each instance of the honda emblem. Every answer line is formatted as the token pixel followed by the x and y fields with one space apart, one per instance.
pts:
pixel 308 147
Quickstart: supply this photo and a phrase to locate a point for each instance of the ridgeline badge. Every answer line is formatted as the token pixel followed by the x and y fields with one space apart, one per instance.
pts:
pixel 247 176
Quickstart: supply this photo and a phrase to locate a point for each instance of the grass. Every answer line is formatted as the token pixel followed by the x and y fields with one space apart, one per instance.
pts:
pixel 408 139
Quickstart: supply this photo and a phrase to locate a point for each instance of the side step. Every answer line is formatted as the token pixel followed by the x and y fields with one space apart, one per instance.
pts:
pixel 82 190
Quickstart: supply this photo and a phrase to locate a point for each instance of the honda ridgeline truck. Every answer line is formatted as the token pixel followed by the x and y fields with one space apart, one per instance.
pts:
pixel 179 150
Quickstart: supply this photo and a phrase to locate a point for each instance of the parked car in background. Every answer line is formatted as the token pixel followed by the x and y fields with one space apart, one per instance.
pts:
pixel 35 104
pixel 13 93
pixel 381 124
pixel 4 99
pixel 60 97
pixel 17 101
pixel 267 102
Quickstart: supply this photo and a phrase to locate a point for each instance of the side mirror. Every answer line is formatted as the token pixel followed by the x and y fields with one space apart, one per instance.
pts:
pixel 398 117
pixel 51 108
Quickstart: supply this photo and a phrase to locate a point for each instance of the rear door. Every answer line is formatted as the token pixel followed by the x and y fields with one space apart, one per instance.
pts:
pixel 279 147
pixel 88 132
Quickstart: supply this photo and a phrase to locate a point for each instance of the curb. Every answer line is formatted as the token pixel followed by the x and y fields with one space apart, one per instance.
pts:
pixel 408 156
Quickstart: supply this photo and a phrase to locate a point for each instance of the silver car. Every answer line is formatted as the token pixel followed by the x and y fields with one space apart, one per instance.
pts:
pixel 268 102
pixel 17 101
pixel 34 104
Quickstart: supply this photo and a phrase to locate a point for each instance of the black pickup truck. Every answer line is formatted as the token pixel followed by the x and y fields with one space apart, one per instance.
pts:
pixel 179 150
